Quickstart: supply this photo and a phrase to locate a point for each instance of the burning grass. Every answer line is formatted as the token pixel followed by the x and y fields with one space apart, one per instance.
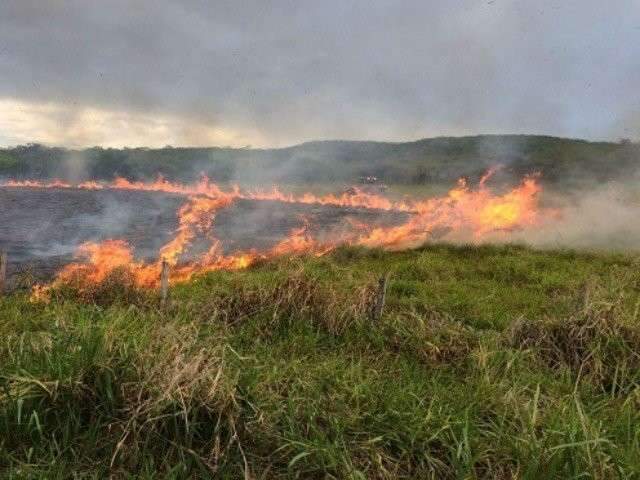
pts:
pixel 464 213
pixel 277 371
pixel 117 286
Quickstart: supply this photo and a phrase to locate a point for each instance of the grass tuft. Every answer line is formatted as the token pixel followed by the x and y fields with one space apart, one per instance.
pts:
pixel 280 372
pixel 599 342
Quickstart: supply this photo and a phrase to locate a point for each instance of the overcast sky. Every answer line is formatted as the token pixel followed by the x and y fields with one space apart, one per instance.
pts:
pixel 274 73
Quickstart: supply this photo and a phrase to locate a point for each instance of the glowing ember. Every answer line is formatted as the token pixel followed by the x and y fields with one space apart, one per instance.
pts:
pixel 463 213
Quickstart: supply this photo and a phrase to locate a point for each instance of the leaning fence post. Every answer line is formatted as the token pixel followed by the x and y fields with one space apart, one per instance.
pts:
pixel 3 270
pixel 381 294
pixel 164 282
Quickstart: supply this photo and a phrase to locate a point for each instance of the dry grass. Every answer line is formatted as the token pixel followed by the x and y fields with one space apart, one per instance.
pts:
pixel 599 342
pixel 434 336
pixel 298 296
pixel 179 385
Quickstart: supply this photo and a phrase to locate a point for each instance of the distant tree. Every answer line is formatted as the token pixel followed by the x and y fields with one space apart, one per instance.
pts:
pixel 8 164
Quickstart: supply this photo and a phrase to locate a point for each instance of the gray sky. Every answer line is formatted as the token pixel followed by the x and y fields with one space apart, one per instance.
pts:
pixel 273 73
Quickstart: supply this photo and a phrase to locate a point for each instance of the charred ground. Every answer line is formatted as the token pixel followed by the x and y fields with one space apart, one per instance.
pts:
pixel 41 229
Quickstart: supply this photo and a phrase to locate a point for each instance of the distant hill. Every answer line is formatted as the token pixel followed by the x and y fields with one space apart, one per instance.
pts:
pixel 427 161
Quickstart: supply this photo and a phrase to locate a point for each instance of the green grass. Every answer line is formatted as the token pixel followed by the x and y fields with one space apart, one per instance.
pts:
pixel 488 362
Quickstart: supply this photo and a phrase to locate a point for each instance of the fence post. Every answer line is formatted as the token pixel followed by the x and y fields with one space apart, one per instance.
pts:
pixel 381 294
pixel 3 270
pixel 164 283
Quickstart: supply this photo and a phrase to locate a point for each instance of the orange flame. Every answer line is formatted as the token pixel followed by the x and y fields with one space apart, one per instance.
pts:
pixel 356 198
pixel 463 213
pixel 197 214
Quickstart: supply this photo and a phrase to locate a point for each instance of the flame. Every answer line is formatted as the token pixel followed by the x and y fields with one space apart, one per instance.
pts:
pixel 356 198
pixel 196 214
pixel 300 241
pixel 100 260
pixel 468 213
pixel 463 213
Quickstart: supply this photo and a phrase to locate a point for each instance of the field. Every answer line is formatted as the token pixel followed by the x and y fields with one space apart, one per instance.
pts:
pixel 42 228
pixel 488 362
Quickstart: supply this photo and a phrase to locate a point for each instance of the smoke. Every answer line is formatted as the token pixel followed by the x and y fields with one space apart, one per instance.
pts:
pixel 604 218
pixel 74 167
pixel 48 224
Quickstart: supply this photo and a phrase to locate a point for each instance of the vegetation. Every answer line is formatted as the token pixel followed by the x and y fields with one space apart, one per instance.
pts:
pixel 8 163
pixel 424 162
pixel 488 362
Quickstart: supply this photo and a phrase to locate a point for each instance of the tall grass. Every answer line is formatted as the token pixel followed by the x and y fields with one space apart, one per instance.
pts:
pixel 490 362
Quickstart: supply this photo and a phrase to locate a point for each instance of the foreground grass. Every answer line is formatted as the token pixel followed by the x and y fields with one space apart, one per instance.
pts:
pixel 490 362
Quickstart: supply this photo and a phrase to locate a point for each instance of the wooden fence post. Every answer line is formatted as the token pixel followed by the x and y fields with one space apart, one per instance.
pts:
pixel 3 270
pixel 381 294
pixel 164 282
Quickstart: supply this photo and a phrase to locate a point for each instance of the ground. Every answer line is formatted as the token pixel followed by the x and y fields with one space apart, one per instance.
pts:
pixel 488 362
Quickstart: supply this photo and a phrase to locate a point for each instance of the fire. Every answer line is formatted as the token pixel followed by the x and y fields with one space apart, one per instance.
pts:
pixel 100 260
pixel 300 241
pixel 196 214
pixel 463 213
pixel 356 199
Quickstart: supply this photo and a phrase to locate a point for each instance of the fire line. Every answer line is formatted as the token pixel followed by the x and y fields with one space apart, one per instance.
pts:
pixel 463 213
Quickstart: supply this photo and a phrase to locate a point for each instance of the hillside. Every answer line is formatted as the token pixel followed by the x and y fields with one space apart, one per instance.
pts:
pixel 428 161
pixel 488 362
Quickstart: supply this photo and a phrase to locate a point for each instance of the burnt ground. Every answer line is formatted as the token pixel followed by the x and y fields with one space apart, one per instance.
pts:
pixel 41 228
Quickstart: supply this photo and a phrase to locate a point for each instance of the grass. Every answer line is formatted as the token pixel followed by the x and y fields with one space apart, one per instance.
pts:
pixel 488 362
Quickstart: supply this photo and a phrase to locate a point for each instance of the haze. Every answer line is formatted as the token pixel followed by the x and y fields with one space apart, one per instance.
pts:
pixel 133 73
